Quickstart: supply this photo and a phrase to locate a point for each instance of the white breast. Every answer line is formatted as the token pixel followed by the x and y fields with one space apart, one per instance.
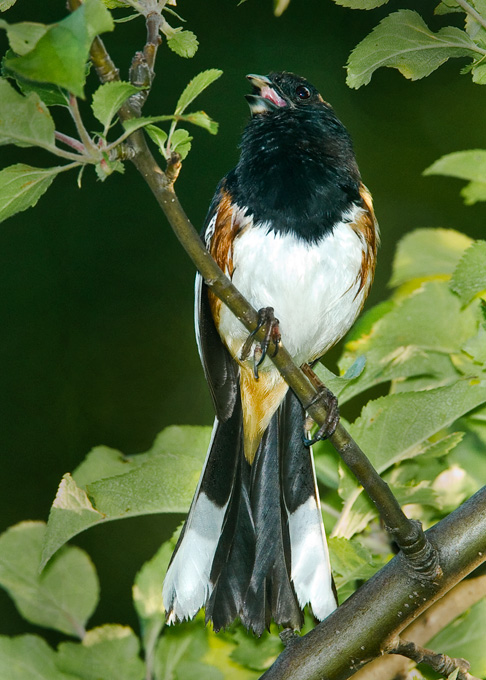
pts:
pixel 314 289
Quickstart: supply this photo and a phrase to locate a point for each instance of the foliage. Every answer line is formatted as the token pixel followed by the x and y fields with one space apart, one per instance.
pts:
pixel 422 352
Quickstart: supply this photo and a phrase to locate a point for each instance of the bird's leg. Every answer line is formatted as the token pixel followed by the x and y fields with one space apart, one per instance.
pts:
pixel 331 403
pixel 266 319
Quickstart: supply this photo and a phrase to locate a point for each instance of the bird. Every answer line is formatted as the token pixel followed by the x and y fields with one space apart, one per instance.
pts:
pixel 293 227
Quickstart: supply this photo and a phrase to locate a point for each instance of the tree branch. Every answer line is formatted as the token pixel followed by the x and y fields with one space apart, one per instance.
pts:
pixel 360 629
pixel 440 663
pixel 463 596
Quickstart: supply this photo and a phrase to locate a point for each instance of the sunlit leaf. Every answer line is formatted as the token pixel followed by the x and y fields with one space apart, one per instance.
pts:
pixel 108 98
pixel 24 35
pixel 24 121
pixel 468 165
pixel 403 41
pixel 183 43
pixel 28 657
pixel 469 278
pixel 197 85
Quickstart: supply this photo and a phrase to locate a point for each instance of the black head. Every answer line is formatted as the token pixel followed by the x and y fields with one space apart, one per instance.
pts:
pixel 283 90
pixel 297 171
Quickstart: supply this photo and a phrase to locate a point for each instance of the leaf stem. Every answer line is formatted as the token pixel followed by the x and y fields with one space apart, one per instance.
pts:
pixel 88 143
pixel 472 12
pixel 69 141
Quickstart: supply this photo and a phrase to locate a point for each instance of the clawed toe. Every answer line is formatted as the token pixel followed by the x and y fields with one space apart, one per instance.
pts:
pixel 267 319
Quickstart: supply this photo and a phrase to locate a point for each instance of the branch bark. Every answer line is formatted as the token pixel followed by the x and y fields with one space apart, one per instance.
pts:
pixel 363 626
pixel 463 596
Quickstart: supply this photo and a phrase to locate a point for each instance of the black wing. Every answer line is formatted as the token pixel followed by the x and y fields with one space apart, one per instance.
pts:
pixel 219 367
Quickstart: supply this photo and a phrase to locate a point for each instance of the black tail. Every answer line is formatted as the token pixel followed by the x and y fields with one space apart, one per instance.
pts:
pixel 253 545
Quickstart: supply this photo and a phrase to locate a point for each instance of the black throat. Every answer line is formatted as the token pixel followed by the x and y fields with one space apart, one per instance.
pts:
pixel 297 172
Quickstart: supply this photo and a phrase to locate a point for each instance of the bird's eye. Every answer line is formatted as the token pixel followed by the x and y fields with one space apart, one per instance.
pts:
pixel 302 92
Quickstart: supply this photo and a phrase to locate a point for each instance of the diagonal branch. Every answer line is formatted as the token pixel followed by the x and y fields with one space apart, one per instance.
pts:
pixel 359 630
pixel 440 663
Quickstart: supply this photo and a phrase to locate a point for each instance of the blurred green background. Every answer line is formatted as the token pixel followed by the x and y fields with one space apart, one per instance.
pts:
pixel 97 343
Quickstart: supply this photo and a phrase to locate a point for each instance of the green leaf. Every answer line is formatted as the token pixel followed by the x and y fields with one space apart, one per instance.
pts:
pixel 197 85
pixel 147 594
pixel 60 55
pixel 469 278
pixel 415 338
pixel 24 121
pixel 361 4
pixel 158 136
pixel 393 428
pixel 279 6
pixel 403 41
pixel 202 120
pixel 23 36
pixel 161 480
pixel 468 165
pixel 181 142
pixel 350 561
pixel 476 346
pixel 183 43
pixel 6 4
pixel 63 596
pixel 258 654
pixel 107 652
pixel 427 253
pixel 21 186
pixel 28 657
pixel 447 7
pixel 464 638
pixel 180 653
pixel 108 99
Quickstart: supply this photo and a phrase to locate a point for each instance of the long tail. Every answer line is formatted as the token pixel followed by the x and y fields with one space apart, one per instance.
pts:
pixel 253 545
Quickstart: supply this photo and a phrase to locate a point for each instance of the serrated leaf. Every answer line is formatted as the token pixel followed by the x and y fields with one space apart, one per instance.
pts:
pixel 24 121
pixel 427 253
pixel 403 41
pixel 108 99
pixel 469 277
pixel 202 120
pixel 183 43
pixel 107 652
pixel 392 428
pixel 468 165
pixel 161 480
pixel 197 85
pixel 447 7
pixel 63 596
pixel 24 35
pixel 6 4
pixel 133 124
pixel 464 638
pixel 350 561
pixel 60 55
pixel 28 657
pixel 21 186
pixel 181 142
pixel 476 346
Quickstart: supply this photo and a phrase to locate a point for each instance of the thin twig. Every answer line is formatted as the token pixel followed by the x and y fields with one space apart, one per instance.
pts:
pixel 440 663
pixel 69 141
pixel 472 12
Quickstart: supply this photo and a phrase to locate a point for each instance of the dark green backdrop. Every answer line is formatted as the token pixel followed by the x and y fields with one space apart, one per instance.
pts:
pixel 96 296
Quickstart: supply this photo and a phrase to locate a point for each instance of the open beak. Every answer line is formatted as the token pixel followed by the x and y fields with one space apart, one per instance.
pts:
pixel 265 97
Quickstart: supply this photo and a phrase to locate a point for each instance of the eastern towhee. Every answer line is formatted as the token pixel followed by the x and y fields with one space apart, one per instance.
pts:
pixel 293 227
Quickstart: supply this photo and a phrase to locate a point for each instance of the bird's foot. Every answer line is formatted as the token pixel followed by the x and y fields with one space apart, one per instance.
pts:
pixel 266 319
pixel 327 398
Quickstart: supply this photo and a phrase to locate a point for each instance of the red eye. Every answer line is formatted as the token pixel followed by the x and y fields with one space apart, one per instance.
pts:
pixel 302 92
